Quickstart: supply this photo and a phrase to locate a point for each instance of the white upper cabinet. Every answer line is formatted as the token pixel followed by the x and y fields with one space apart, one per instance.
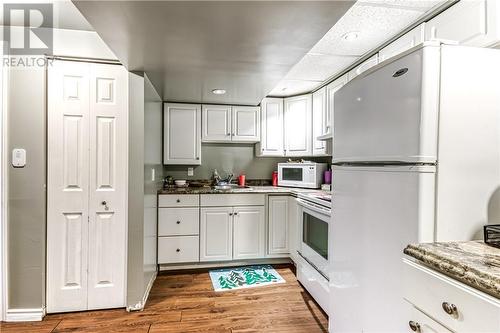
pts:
pixel 298 125
pixel 319 122
pixel 245 124
pixel 367 64
pixel 225 123
pixel 473 23
pixel 403 43
pixel 216 123
pixel 331 89
pixel 271 142
pixel 182 134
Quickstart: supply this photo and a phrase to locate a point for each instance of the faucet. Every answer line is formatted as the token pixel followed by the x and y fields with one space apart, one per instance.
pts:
pixel 220 181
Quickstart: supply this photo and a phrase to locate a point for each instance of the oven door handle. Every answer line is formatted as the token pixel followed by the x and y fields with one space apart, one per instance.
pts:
pixel 314 207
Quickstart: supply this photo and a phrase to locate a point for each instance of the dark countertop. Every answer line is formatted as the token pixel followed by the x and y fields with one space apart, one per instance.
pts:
pixel 473 263
pixel 251 189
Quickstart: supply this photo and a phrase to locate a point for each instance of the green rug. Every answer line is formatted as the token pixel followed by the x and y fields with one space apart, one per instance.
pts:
pixel 244 277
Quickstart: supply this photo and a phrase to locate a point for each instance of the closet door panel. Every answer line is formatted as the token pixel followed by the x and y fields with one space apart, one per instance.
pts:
pixel 68 187
pixel 108 186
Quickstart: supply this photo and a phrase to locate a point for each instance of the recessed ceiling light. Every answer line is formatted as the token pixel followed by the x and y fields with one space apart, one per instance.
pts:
pixel 350 35
pixel 218 91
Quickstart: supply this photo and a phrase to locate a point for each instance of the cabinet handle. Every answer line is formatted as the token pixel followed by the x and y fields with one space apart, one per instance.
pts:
pixel 450 309
pixel 235 213
pixel 230 214
pixel 105 204
pixel 178 250
pixel 228 134
pixel 178 222
pixel 178 200
pixel 414 326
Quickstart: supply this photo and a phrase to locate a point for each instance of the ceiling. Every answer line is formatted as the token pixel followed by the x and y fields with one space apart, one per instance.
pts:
pixel 189 48
pixel 374 22
pixel 66 15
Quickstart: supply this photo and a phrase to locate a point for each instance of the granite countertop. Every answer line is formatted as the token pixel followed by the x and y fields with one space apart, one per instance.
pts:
pixel 473 263
pixel 250 189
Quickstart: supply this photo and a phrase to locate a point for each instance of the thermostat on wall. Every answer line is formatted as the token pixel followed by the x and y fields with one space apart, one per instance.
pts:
pixel 18 158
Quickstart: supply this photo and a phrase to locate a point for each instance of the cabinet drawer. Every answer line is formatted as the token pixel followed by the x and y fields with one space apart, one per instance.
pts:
pixel 178 249
pixel 427 290
pixel 178 221
pixel 419 320
pixel 178 200
pixel 229 200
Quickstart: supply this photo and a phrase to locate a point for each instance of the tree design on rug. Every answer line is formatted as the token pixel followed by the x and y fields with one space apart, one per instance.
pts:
pixel 252 277
pixel 268 276
pixel 236 278
pixel 225 283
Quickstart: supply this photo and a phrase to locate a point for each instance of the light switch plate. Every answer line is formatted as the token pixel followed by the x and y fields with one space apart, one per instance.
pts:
pixel 190 171
pixel 18 158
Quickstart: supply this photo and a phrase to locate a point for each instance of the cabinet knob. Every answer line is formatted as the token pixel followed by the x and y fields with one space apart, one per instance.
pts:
pixel 178 222
pixel 228 134
pixel 414 326
pixel 230 214
pixel 178 250
pixel 450 309
pixel 235 213
pixel 197 158
pixel 105 204
pixel 178 200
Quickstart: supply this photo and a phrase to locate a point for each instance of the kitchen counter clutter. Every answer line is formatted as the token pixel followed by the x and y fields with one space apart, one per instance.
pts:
pixel 473 263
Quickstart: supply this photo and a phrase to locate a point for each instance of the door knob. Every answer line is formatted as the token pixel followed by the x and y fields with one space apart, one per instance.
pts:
pixel 450 309
pixel 105 204
pixel 414 326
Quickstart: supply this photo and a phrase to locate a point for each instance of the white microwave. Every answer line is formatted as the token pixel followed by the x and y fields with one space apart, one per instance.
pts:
pixel 306 175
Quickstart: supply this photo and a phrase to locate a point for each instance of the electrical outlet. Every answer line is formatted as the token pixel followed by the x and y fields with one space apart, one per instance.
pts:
pixel 190 171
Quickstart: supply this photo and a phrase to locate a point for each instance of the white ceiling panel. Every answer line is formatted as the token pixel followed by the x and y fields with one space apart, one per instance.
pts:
pixel 294 87
pixel 319 67
pixel 421 5
pixel 373 24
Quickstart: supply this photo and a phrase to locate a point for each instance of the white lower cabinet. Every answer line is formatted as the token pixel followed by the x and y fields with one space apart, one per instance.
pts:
pixel 216 230
pixel 453 304
pixel 178 249
pixel 229 233
pixel 248 232
pixel 422 323
pixel 278 224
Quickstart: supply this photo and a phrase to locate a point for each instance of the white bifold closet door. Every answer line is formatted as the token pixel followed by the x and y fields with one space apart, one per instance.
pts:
pixel 87 186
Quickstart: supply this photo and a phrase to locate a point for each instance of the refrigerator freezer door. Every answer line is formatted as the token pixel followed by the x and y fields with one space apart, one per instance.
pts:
pixel 376 212
pixel 390 114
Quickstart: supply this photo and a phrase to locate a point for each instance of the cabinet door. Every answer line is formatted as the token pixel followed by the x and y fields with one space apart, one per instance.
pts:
pixel 182 134
pixel 472 23
pixel 403 43
pixel 249 236
pixel 369 63
pixel 216 123
pixel 298 125
pixel 271 143
pixel 331 89
pixel 216 234
pixel 246 124
pixel 293 227
pixel 320 115
pixel 278 224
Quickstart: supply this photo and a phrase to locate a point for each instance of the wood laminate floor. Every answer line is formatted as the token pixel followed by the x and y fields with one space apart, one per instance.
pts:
pixel 184 302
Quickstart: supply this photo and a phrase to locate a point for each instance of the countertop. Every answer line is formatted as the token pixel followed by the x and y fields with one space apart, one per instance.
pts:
pixel 251 189
pixel 473 263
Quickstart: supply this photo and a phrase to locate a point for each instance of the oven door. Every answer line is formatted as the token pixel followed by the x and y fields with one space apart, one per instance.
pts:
pixel 314 235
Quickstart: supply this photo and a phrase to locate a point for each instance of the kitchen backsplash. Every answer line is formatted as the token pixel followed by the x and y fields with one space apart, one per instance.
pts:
pixel 231 158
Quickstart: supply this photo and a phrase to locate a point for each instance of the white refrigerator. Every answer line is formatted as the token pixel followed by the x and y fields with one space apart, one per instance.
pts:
pixel 416 158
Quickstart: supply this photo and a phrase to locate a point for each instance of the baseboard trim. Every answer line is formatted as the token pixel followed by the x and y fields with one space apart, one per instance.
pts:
pixel 13 315
pixel 221 264
pixel 140 306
